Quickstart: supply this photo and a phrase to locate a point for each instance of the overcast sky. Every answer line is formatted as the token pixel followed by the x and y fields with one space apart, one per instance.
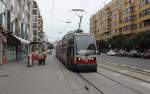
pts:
pixel 55 17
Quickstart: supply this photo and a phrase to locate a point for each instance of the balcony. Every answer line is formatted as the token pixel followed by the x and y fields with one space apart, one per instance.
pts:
pixel 145 25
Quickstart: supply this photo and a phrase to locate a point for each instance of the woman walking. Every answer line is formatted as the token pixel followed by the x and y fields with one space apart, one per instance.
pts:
pixel 44 56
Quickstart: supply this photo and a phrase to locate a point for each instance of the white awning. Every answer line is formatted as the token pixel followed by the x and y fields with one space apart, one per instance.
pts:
pixel 22 41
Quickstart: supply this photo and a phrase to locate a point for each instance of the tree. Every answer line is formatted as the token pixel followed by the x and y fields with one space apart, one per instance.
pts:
pixel 116 41
pixel 50 46
pixel 102 45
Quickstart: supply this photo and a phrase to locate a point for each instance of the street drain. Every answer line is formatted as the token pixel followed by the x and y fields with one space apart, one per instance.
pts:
pixel 3 75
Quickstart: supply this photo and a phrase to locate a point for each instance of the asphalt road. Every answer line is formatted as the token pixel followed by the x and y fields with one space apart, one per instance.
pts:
pixel 132 62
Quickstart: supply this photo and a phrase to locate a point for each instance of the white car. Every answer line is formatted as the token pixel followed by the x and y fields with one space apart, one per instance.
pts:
pixel 111 53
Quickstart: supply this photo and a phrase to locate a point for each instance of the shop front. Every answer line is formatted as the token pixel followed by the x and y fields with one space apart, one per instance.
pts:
pixel 17 47
pixel 3 51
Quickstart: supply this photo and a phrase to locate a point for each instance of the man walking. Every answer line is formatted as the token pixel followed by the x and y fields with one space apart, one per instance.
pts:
pixel 40 58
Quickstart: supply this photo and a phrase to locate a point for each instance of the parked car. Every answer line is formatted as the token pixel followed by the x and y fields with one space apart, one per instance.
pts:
pixel 121 53
pixel 104 51
pixel 146 54
pixel 134 53
pixel 111 53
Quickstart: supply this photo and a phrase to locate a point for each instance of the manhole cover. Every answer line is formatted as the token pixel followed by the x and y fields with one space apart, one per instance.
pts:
pixel 3 75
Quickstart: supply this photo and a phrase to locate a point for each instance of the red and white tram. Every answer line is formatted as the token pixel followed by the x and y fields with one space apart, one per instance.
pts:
pixel 77 51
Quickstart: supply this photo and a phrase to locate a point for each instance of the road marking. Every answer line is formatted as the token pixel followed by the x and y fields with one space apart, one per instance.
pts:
pixel 116 74
pixel 147 70
pixel 123 65
pixel 109 62
pixel 124 71
pixel 133 67
pixel 147 85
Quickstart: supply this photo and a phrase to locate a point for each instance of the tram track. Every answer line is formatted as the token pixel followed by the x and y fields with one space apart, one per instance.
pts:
pixel 134 69
pixel 109 78
pixel 94 86
pixel 137 78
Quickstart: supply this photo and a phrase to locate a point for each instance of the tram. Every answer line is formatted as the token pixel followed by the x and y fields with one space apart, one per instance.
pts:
pixel 77 51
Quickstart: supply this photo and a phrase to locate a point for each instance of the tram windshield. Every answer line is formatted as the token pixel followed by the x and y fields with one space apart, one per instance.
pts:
pixel 85 45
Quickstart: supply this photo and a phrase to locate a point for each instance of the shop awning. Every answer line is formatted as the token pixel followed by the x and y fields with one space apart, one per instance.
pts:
pixel 35 43
pixel 22 41
pixel 17 39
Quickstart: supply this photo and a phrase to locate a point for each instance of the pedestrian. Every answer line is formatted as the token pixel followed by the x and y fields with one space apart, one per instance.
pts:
pixel 44 56
pixel 40 58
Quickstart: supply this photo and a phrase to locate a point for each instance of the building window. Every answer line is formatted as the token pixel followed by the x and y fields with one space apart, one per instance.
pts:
pixel 34 11
pixel 2 13
pixel 130 27
pixel 34 32
pixel 34 19
pixel 145 12
pixel 128 10
pixel 130 18
pixel 35 39
pixel 34 25
pixel 146 23
pixel 144 2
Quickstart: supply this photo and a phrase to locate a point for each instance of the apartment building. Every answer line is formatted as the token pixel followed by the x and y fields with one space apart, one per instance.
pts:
pixel 38 34
pixel 40 29
pixel 37 23
pixel 121 17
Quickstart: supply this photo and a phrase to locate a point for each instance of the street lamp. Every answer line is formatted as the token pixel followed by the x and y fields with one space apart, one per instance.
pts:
pixel 79 13
pixel 68 22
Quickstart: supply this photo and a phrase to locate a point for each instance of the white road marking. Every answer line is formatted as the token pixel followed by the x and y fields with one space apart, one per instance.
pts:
pixel 133 67
pixel 109 62
pixel 123 65
pixel 147 70
pixel 147 85
pixel 116 74
pixel 124 71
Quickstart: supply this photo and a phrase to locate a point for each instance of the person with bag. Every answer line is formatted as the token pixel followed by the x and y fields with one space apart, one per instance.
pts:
pixel 40 58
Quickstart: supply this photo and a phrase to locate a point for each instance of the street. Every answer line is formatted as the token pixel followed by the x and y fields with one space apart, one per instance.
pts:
pixel 54 78
pixel 132 62
pixel 51 46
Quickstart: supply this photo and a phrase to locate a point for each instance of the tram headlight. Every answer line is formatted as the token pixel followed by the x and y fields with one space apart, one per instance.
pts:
pixel 93 58
pixel 79 58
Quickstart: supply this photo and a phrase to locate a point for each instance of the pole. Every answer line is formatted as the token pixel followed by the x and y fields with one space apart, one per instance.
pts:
pixel 80 22
pixel 1 49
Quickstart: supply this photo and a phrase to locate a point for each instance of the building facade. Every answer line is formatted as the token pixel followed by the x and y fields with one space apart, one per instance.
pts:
pixel 38 34
pixel 16 28
pixel 121 17
pixel 3 27
pixel 40 29
pixel 36 13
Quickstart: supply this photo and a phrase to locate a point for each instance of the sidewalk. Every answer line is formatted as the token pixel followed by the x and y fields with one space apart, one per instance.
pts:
pixel 16 78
